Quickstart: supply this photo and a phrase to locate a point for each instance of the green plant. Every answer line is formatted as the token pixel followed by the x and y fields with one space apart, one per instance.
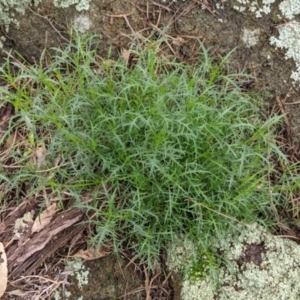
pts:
pixel 162 148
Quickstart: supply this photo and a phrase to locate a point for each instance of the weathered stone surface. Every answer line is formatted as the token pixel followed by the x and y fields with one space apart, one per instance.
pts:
pixel 258 266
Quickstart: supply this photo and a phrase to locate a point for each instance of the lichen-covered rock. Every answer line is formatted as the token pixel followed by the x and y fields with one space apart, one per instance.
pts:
pixel 35 26
pixel 10 9
pixel 289 39
pixel 290 8
pixel 259 266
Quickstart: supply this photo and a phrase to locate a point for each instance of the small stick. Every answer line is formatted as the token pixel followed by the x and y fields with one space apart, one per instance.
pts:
pixel 50 22
pixel 285 118
pixel 297 102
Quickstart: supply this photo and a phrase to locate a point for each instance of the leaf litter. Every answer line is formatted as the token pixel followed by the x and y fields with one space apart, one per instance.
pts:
pixel 93 253
pixel 44 218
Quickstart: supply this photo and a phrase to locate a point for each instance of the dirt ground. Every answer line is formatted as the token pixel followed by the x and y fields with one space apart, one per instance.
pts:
pixel 116 23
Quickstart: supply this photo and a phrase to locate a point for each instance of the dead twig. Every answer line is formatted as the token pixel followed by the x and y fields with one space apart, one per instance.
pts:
pixel 286 120
pixel 50 23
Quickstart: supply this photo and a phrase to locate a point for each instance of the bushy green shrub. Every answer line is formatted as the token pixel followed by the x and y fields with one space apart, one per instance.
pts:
pixel 162 148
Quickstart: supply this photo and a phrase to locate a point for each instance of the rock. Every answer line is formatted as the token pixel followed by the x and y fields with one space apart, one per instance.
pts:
pixel 258 266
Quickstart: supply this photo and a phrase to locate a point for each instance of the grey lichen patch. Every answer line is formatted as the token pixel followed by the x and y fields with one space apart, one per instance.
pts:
pixel 80 4
pixel 76 268
pixel 260 266
pixel 22 225
pixel 82 23
pixel 9 10
pixel 250 37
pixel 179 253
pixel 2 40
pixel 259 8
pixel 289 33
pixel 289 39
pixel 290 8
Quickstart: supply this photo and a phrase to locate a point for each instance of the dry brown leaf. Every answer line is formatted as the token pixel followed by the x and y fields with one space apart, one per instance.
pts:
pixel 3 270
pixel 2 226
pixel 12 140
pixel 44 218
pixel 93 253
pixel 125 54
pixel 6 110
pixel 19 293
pixel 40 154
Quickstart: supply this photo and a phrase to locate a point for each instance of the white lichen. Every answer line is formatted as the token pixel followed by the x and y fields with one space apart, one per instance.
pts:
pixel 9 8
pixel 80 4
pixel 289 33
pixel 290 8
pixel 179 253
pixel 2 40
pixel 250 37
pixel 289 39
pixel 76 268
pixel 82 23
pixel 22 225
pixel 259 8
pixel 269 270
